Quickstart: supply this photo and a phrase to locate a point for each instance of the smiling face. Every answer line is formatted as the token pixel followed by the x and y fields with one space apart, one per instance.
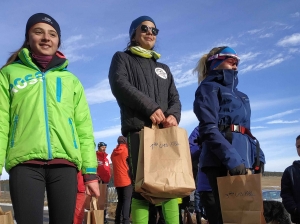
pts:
pixel 43 39
pixel 146 40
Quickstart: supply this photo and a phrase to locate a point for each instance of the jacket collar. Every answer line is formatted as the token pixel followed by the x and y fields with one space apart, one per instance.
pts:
pixel 59 62
pixel 226 77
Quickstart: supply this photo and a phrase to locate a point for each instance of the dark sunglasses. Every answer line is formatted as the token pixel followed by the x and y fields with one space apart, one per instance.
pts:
pixel 145 28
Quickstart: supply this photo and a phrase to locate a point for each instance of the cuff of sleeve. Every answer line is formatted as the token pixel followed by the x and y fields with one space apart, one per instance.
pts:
pixel 90 177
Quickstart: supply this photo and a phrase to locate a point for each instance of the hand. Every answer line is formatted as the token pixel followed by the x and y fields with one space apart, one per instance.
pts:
pixel 92 188
pixel 239 170
pixel 157 117
pixel 170 122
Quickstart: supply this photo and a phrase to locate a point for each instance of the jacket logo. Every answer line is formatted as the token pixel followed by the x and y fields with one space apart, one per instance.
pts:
pixel 161 73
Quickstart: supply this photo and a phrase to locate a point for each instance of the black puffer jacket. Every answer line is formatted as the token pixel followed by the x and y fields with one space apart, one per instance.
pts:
pixel 290 190
pixel 141 86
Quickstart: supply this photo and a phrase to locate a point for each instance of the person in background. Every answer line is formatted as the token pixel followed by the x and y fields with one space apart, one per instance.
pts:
pixel 146 94
pixel 103 170
pixel 290 185
pixel 122 181
pixel 224 115
pixel 203 192
pixel 80 200
pixel 46 131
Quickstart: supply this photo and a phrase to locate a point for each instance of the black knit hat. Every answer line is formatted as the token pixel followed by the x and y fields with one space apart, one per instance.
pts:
pixel 41 18
pixel 122 140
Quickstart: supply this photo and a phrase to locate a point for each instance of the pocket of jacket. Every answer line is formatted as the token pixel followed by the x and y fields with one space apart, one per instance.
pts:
pixel 14 128
pixel 73 133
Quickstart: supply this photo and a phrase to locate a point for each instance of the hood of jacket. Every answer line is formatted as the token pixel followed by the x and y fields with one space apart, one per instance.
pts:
pixel 296 163
pixel 58 62
pixel 119 149
pixel 225 77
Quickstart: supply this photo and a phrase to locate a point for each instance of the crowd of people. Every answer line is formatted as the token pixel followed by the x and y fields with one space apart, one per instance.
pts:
pixel 46 130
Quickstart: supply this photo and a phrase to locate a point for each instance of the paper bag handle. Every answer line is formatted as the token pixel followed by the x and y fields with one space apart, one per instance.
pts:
pixel 155 126
pixel 93 204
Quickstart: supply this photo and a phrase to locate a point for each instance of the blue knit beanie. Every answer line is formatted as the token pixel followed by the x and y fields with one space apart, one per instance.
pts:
pixel 41 18
pixel 135 23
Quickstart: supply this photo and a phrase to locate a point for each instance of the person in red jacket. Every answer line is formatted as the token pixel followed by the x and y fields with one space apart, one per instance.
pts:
pixel 103 170
pixel 122 180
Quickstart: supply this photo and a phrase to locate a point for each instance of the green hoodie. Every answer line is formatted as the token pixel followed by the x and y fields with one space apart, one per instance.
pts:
pixel 44 115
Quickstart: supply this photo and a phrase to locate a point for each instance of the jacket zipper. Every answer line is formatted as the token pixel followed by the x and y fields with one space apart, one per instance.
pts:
pixel 15 122
pixel 73 133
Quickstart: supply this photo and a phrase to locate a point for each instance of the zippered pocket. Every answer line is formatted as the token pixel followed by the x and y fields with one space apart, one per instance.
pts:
pixel 73 133
pixel 14 128
pixel 58 89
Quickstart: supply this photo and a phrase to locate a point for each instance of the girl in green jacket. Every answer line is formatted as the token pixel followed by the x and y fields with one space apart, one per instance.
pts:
pixel 46 133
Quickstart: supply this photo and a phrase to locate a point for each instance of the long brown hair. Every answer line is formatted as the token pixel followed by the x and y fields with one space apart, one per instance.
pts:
pixel 14 55
pixel 202 65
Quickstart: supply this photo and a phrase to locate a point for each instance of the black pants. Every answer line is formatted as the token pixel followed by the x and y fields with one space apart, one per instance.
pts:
pixel 133 142
pixel 124 202
pixel 208 202
pixel 212 173
pixel 27 189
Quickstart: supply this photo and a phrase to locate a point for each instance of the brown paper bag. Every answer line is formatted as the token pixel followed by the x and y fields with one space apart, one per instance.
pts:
pixel 241 199
pixel 102 200
pixel 164 168
pixel 6 217
pixel 94 215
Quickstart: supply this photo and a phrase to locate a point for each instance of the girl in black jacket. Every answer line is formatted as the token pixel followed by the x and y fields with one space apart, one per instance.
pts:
pixel 146 94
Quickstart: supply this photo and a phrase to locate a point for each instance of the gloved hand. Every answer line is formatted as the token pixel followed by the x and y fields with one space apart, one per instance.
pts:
pixel 261 168
pixel 239 170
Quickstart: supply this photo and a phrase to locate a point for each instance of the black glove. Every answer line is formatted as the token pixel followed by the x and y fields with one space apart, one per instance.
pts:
pixel 261 168
pixel 239 170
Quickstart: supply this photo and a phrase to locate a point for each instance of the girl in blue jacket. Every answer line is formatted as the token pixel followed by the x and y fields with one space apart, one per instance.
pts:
pixel 224 116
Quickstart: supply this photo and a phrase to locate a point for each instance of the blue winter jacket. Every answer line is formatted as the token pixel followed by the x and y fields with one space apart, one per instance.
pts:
pixel 218 102
pixel 202 181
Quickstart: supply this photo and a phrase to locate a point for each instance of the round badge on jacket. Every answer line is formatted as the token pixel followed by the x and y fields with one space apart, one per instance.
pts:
pixel 161 73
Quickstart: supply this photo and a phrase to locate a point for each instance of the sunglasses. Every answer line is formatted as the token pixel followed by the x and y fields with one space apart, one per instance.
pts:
pixel 145 28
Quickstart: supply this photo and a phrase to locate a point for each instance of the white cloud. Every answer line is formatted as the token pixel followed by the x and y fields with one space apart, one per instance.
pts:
pixel 248 56
pixel 278 115
pixel 267 35
pixel 187 118
pixel 185 79
pixel 295 15
pixel 273 165
pixel 257 127
pixel 99 93
pixel 257 105
pixel 108 132
pixel 267 63
pixel 279 133
pixel 120 36
pixel 292 40
pixel 254 31
pixel 294 50
pixel 283 122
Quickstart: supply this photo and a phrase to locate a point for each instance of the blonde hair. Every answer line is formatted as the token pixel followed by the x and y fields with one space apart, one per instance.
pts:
pixel 14 55
pixel 201 68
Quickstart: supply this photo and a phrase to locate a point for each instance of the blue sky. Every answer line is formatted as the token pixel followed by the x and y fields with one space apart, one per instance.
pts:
pixel 265 34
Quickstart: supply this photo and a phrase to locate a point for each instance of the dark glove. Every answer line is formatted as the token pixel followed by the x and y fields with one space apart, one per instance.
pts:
pixel 261 168
pixel 239 170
